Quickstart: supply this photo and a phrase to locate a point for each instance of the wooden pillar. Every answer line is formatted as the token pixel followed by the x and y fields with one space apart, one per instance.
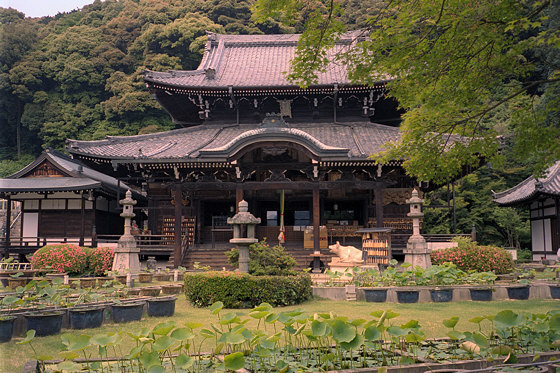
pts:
pixel 379 205
pixel 83 219
pixel 177 252
pixel 238 196
pixel 316 219
pixel 94 221
pixel 8 223
pixel 199 220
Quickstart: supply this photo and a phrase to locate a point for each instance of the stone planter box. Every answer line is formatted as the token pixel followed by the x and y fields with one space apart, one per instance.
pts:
pixel 88 282
pixel 162 276
pixel 150 291
pixel 145 277
pixel 172 289
pixel 15 282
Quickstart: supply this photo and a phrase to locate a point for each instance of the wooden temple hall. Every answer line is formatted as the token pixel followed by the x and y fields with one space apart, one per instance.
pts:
pixel 299 157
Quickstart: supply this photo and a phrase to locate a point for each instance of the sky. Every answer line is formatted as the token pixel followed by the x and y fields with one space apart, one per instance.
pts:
pixel 40 8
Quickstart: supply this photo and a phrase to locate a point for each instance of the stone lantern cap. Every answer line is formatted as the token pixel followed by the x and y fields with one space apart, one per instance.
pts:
pixel 243 216
pixel 127 203
pixel 415 203
pixel 414 198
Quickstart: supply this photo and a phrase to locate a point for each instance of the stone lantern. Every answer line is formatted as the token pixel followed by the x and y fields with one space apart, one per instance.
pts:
pixel 243 233
pixel 416 252
pixel 126 253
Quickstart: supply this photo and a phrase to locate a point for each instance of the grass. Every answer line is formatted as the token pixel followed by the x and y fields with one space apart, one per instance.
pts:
pixel 430 315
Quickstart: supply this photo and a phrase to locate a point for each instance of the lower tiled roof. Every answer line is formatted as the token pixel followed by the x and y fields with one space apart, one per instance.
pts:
pixel 531 187
pixel 358 139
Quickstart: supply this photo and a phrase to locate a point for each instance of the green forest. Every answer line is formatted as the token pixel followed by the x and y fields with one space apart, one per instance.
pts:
pixel 79 75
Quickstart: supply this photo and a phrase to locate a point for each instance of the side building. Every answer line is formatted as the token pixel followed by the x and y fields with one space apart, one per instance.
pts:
pixel 62 201
pixel 542 197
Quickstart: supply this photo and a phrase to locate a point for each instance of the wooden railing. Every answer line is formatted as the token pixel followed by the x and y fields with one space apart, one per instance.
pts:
pixel 443 237
pixel 37 241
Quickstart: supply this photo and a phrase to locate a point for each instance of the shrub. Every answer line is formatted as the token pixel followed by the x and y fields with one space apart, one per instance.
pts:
pixel 468 256
pixel 100 260
pixel 241 290
pixel 265 260
pixel 62 258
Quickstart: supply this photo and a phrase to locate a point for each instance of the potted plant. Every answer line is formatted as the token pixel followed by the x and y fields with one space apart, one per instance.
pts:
pixel 163 276
pixel 172 288
pixel 520 291
pixel 7 320
pixel 123 311
pixel 16 280
pixel 555 286
pixel 152 291
pixel 87 312
pixel 181 273
pixel 482 291
pixel 47 318
pixel 120 276
pixel 145 276
pixel 161 306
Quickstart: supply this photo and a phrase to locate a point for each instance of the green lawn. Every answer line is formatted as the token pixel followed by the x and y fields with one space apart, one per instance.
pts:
pixel 430 315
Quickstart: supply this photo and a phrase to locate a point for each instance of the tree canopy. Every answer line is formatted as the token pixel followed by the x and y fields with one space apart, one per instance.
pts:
pixel 469 75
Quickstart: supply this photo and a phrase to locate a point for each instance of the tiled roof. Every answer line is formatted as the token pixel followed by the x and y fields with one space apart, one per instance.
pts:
pixel 531 187
pixel 348 141
pixel 80 177
pixel 47 184
pixel 251 61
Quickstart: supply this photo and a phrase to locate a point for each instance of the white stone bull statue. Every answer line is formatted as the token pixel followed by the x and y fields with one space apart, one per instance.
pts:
pixel 346 254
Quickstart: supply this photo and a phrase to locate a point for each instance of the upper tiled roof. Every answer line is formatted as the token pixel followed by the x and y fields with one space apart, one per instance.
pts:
pixel 348 141
pixel 531 187
pixel 251 61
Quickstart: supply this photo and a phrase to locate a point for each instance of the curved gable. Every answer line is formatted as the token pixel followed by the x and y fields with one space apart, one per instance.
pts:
pixel 235 148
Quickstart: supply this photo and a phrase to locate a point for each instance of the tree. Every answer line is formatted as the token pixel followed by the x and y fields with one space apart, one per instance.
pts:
pixel 450 64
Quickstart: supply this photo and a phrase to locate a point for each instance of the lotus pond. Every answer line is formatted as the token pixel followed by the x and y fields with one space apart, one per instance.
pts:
pixel 265 340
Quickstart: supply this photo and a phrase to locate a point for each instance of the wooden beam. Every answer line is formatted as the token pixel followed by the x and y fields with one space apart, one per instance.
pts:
pixel 177 198
pixel 286 185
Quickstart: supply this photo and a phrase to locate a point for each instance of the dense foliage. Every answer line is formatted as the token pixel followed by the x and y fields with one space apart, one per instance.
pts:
pixel 468 256
pixel 79 74
pixel 100 260
pixel 494 225
pixel 73 259
pixel 265 260
pixel 240 290
pixel 68 258
pixel 485 70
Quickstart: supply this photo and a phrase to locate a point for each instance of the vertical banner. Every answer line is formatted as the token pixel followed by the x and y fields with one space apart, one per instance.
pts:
pixel 282 235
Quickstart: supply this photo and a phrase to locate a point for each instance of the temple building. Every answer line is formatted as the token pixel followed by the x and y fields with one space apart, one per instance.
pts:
pixel 299 156
pixel 542 197
pixel 61 201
